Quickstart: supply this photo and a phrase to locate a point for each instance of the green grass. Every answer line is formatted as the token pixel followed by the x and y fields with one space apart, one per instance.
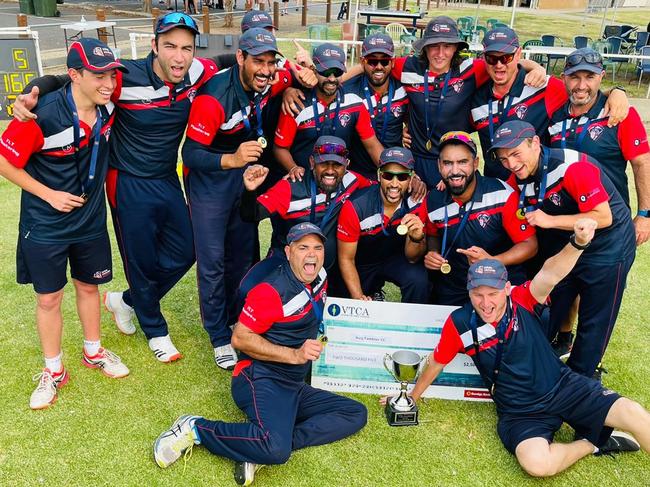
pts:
pixel 100 431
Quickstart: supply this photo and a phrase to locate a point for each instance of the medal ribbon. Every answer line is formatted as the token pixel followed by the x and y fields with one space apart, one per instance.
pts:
pixel 502 117
pixel 461 227
pixel 258 113
pixel 542 187
pixel 328 214
pixel 374 111
pixel 317 124
pixel 438 107
pixel 318 310
pixel 580 138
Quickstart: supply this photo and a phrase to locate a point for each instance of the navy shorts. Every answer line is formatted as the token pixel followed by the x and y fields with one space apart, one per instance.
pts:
pixel 45 265
pixel 581 402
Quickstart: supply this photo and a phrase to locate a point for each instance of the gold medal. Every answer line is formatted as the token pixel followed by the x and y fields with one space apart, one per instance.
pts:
pixel 521 214
pixel 402 229
pixel 428 145
pixel 262 141
pixel 323 340
pixel 445 268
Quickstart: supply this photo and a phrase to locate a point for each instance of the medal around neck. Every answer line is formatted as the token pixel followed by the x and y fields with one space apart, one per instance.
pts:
pixel 402 229
pixel 404 366
pixel 445 268
pixel 262 141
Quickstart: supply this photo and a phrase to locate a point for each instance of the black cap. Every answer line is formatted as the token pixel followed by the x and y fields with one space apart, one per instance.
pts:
pixel 328 56
pixel 329 148
pixel 93 55
pixel 397 155
pixel 256 18
pixel 511 134
pixel 501 39
pixel 299 230
pixel 378 43
pixel 257 41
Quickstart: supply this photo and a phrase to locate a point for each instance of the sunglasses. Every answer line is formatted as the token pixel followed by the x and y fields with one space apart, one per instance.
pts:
pixel 375 61
pixel 332 71
pixel 493 59
pixel 457 135
pixel 401 176
pixel 330 148
pixel 175 19
pixel 589 57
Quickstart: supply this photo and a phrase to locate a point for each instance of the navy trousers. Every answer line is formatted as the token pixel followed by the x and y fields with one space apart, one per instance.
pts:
pixel 283 415
pixel 600 288
pixel 412 279
pixel 225 246
pixel 154 235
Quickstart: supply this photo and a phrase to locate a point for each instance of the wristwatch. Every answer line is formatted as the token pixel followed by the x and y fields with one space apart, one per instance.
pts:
pixel 643 213
pixel 572 241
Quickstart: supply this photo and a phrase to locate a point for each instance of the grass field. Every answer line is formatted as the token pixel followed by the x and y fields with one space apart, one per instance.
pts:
pixel 100 431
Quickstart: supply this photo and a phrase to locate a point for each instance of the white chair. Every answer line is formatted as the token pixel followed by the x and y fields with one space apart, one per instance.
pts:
pixel 395 30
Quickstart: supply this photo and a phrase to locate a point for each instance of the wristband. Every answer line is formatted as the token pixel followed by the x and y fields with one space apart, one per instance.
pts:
pixel 643 213
pixel 572 241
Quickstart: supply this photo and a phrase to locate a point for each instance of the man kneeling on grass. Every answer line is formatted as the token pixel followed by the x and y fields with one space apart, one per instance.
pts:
pixel 276 336
pixel 533 390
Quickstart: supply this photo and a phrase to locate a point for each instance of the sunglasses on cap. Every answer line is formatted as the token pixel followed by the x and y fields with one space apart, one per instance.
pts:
pixel 457 135
pixel 332 71
pixel 374 61
pixel 175 19
pixel 590 57
pixel 330 148
pixel 401 176
pixel 493 59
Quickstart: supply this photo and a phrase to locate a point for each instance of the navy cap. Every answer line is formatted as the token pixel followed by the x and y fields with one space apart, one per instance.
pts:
pixel 501 39
pixel 378 44
pixel 256 18
pixel 458 137
pixel 487 272
pixel 299 230
pixel 328 56
pixel 172 20
pixel 440 29
pixel 257 41
pixel 397 155
pixel 511 134
pixel 330 149
pixel 93 55
pixel 584 59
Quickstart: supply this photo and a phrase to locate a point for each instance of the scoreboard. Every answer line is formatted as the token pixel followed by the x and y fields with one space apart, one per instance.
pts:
pixel 19 64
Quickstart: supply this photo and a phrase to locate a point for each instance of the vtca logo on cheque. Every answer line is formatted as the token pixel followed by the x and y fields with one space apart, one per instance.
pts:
pixel 355 311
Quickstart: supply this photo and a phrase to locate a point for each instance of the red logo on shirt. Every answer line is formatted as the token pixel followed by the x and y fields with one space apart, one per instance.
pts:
pixel 457 85
pixel 344 119
pixel 483 219
pixel 595 132
pixel 520 111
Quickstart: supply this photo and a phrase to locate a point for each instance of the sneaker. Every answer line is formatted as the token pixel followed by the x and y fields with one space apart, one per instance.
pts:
pixel 598 373
pixel 379 296
pixel 562 347
pixel 225 357
pixel 122 312
pixel 110 364
pixel 46 391
pixel 178 439
pixel 164 349
pixel 245 472
pixel 618 442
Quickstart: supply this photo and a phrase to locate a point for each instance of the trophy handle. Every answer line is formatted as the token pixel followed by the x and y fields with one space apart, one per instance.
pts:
pixel 424 361
pixel 388 357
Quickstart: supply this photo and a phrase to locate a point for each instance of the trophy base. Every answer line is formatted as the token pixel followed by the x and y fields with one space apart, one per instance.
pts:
pixel 401 418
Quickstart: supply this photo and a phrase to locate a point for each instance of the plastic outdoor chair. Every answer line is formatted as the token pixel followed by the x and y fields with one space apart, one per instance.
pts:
pixel 644 64
pixel 490 23
pixel 538 58
pixel 465 27
pixel 611 30
pixel 395 30
pixel 317 31
pixel 481 31
pixel 499 25
pixel 603 48
pixel 374 29
pixel 641 40
pixel 552 40
pixel 615 44
pixel 407 41
pixel 581 41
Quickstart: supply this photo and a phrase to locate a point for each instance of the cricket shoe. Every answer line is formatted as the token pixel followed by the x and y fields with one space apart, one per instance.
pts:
pixel 46 391
pixel 110 364
pixel 122 313
pixel 245 472
pixel 225 357
pixel 178 439
pixel 164 349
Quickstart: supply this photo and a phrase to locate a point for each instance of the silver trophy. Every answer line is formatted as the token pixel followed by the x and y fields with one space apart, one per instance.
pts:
pixel 404 366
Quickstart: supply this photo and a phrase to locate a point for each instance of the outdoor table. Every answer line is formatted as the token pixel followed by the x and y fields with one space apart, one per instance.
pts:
pixel 81 27
pixel 398 14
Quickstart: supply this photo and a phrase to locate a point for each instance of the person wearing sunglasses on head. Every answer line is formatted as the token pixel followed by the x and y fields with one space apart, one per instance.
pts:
pixel 379 232
pixel 328 110
pixel 474 218
pixel 558 187
pixel 582 124
pixel 506 96
pixel 383 96
pixel 150 214
pixel 316 198
pixel 60 161
pixel 225 133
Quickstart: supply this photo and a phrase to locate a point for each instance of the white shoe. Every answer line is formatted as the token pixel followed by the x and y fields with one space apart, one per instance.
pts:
pixel 245 472
pixel 164 349
pixel 171 444
pixel 46 391
pixel 225 357
pixel 122 312
pixel 110 364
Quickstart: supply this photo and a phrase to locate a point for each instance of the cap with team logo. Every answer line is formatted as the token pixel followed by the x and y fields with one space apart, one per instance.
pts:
pixel 257 41
pixel 440 29
pixel 397 155
pixel 487 272
pixel 501 39
pixel 378 44
pixel 458 137
pixel 300 230
pixel 93 55
pixel 256 18
pixel 327 56
pixel 511 134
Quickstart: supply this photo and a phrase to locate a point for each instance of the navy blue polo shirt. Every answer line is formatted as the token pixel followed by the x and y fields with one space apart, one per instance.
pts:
pixel 152 116
pixel 362 220
pixel 529 374
pixel 612 147
pixel 532 105
pixel 45 149
pixel 386 115
pixel 444 114
pixel 299 133
pixel 491 223
pixel 575 184
pixel 280 310
pixel 290 203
